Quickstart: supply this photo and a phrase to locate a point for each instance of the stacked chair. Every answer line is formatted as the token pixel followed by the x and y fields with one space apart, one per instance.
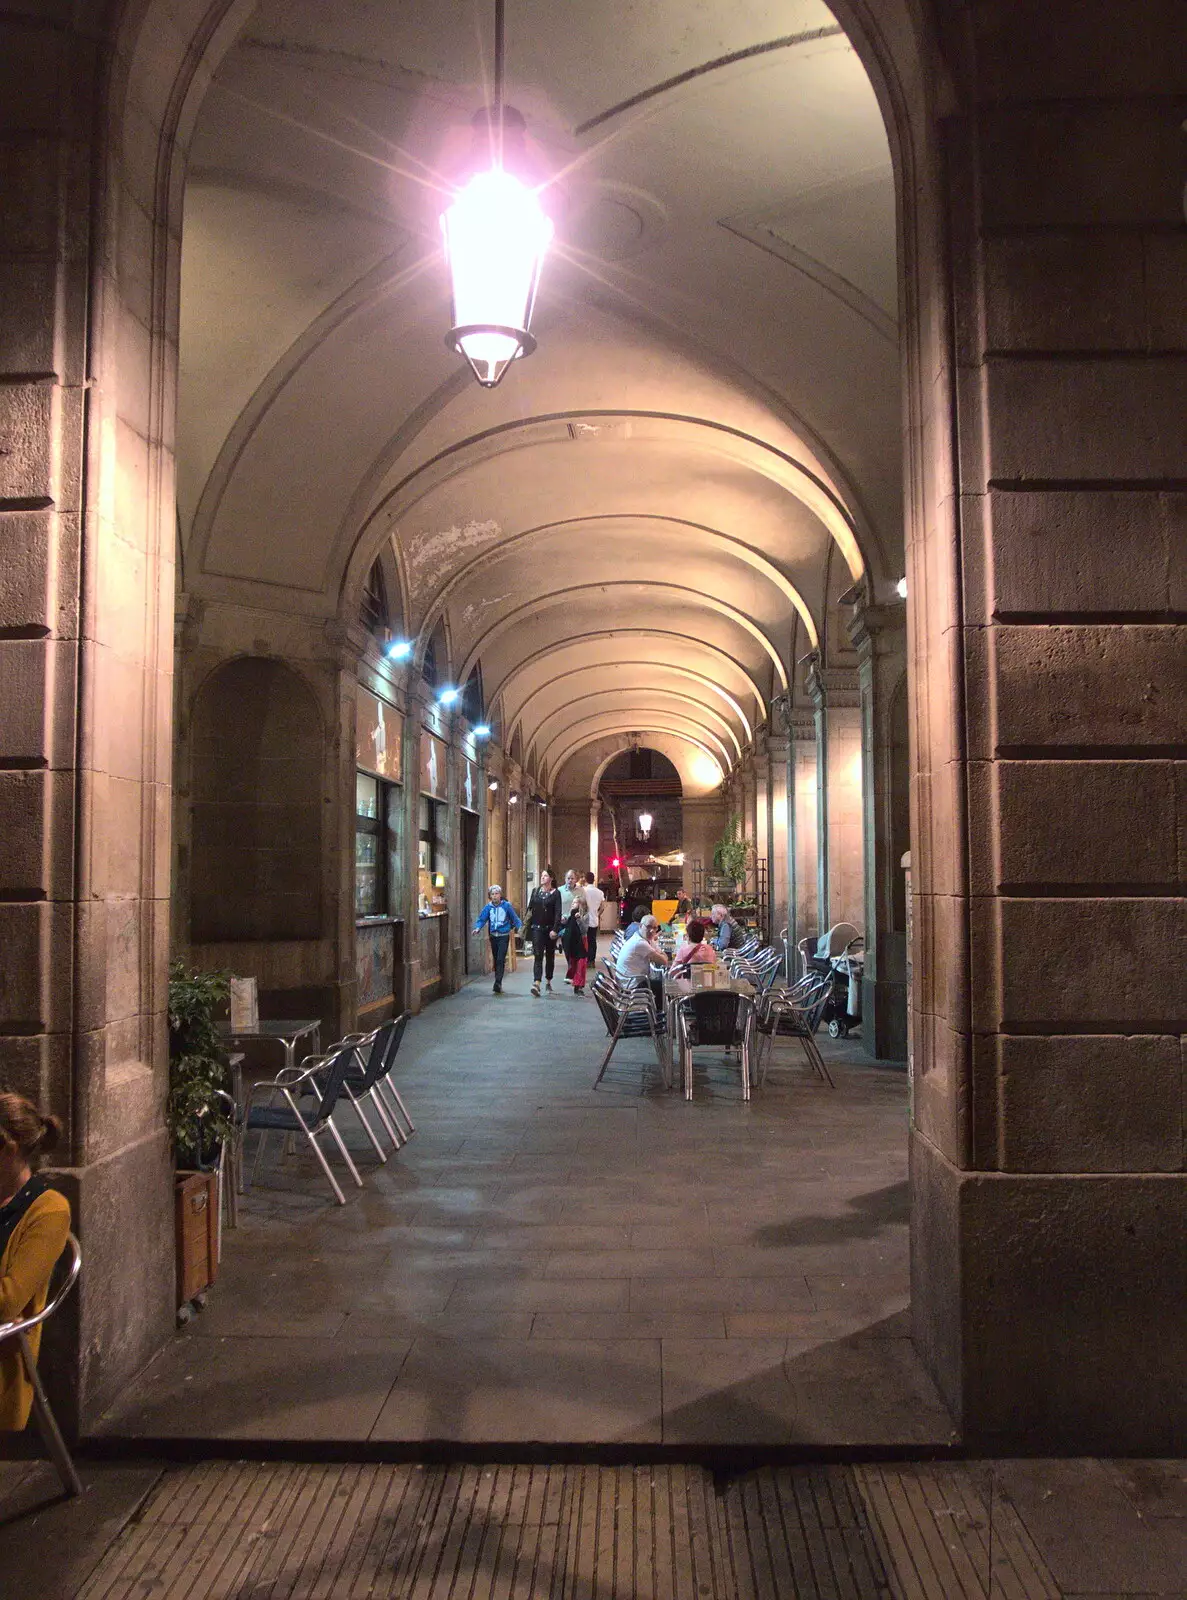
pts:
pixel 793 1014
pixel 304 1101
pixel 630 1012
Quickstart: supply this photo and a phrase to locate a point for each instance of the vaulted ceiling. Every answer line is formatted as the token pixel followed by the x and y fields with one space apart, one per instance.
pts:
pixel 642 527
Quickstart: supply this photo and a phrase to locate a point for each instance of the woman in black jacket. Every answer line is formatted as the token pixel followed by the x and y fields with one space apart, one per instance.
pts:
pixel 543 918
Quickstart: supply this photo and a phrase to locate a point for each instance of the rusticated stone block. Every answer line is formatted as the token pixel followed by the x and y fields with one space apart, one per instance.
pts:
pixel 1077 823
pixel 1093 966
pixel 1054 292
pixel 36 837
pixel 28 292
pixel 1027 50
pixel 1102 1104
pixel 1104 687
pixel 35 971
pixel 1030 1296
pixel 27 441
pixel 1166 273
pixel 1070 163
pixel 1063 551
pixel 1124 418
pixel 36 700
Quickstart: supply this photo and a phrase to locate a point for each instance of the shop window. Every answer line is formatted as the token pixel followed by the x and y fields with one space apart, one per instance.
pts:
pixel 432 856
pixel 377 846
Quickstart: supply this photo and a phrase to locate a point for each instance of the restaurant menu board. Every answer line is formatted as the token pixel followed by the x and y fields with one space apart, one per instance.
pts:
pixel 379 732
pixel 433 773
pixel 470 788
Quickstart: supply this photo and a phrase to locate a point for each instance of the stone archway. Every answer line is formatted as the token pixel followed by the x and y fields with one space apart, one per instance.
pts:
pixel 1047 1143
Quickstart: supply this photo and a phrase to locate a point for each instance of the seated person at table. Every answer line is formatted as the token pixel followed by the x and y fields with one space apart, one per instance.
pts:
pixel 729 934
pixel 34 1222
pixel 641 951
pixel 695 947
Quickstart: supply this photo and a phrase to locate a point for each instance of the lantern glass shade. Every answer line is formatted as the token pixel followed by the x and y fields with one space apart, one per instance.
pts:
pixel 496 236
pixel 645 821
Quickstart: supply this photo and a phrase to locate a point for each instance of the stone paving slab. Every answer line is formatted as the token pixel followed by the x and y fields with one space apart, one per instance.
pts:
pixel 729 1273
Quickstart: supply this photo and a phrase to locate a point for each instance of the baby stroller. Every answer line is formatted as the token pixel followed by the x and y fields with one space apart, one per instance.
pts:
pixel 839 953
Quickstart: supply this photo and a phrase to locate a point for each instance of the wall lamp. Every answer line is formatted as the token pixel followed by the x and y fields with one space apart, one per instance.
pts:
pixel 449 697
pixel 493 785
pixel 901 588
pixel 481 730
pixel 399 649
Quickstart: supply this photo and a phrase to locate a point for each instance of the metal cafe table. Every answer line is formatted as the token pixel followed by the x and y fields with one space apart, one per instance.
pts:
pixel 287 1034
pixel 678 989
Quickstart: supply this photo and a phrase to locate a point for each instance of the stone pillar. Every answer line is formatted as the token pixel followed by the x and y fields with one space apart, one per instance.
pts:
pixel 86 593
pixel 879 634
pixel 836 702
pixel 1049 1215
pixel 419 697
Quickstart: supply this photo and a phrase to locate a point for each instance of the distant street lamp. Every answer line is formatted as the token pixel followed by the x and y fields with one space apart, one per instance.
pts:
pixel 645 821
pixel 496 235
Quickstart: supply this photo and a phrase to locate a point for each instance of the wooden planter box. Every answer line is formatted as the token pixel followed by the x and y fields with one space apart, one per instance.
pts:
pixel 195 1201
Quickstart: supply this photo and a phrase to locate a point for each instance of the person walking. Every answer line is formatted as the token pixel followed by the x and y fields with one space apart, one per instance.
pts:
pixel 34 1222
pixel 594 900
pixel 574 941
pixel 567 890
pixel 500 919
pixel 543 917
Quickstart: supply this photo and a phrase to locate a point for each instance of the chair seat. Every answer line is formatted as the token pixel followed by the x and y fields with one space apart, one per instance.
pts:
pixel 274 1117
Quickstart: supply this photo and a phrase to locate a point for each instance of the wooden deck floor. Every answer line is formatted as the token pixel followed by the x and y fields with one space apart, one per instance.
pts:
pixel 264 1531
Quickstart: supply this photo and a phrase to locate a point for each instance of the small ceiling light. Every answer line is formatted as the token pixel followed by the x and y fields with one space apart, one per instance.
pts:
pixel 400 649
pixel 901 587
pixel 481 730
pixel 448 697
pixel 496 235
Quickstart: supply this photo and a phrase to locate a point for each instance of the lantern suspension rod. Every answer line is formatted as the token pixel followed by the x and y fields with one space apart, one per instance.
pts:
pixel 500 59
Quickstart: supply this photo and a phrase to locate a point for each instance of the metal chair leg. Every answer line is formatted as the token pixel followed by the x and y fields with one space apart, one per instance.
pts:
pixel 384 1116
pixel 367 1128
pixel 255 1166
pixel 344 1152
pixel 325 1166
pixel 614 1038
pixel 403 1109
pixel 47 1423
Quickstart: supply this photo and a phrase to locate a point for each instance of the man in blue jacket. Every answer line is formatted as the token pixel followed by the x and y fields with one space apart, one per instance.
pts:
pixel 500 919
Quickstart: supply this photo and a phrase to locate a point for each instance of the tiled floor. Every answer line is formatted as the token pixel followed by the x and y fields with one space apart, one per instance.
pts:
pixel 543 1263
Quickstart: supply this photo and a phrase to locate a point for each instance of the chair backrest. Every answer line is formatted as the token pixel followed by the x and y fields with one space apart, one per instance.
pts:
pixel 813 1002
pixel 72 1256
pixel 394 1040
pixel 377 1056
pixel 608 1003
pixel 711 1018
pixel 331 1077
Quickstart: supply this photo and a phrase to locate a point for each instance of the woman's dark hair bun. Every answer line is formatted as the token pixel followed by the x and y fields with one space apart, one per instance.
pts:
pixel 51 1134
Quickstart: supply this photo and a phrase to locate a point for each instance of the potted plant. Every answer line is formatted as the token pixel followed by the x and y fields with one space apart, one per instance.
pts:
pixel 732 853
pixel 198 1123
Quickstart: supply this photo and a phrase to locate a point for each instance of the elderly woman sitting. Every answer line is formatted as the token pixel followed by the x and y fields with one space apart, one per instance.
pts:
pixel 695 949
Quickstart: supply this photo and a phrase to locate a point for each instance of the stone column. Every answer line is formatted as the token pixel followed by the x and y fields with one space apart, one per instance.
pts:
pixel 419 696
pixel 1049 1216
pixel 879 634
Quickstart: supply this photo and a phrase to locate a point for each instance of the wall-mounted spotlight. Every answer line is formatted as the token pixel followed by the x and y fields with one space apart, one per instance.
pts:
pixel 448 697
pixel 481 730
pixel 513 798
pixel 901 588
pixel 399 649
pixel 493 785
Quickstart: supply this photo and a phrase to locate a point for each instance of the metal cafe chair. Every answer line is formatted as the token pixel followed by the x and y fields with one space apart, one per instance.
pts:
pixel 713 1017
pixel 630 1014
pixel 318 1081
pixel 47 1423
pixel 388 1092
pixel 794 1014
pixel 361 1083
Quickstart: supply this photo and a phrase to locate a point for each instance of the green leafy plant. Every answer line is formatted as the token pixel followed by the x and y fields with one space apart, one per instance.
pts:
pixel 198 1124
pixel 732 853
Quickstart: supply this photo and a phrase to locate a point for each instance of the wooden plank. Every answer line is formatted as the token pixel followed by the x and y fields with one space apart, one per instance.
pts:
pixel 932 1512
pixel 905 1582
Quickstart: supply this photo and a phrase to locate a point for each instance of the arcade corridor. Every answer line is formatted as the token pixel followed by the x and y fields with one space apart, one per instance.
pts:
pixel 543 1263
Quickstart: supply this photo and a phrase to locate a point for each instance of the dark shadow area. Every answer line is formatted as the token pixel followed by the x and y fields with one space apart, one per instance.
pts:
pixel 866 1215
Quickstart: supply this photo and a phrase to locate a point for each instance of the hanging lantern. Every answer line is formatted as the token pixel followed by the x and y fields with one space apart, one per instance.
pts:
pixel 496 234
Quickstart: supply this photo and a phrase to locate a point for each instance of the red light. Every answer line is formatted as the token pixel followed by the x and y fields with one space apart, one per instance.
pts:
pixel 615 862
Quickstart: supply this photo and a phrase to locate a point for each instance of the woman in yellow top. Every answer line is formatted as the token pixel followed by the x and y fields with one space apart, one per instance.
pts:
pixel 34 1222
